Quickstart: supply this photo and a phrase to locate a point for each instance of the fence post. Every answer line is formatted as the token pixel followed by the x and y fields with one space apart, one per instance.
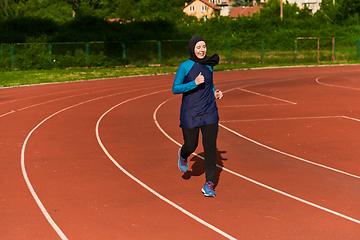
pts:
pixel 318 50
pixel 228 52
pixel 262 50
pixel 295 53
pixel 123 51
pixel 159 51
pixel 334 49
pixel 358 49
pixel 49 51
pixel 87 50
pixel 1 52
pixel 12 57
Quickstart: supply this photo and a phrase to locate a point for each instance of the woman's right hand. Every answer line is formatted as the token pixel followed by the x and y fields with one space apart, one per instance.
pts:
pixel 199 79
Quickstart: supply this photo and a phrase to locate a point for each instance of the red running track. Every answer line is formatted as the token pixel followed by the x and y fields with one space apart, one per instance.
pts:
pixel 98 159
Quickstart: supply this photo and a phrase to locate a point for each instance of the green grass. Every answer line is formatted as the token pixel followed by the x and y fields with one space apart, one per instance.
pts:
pixel 30 77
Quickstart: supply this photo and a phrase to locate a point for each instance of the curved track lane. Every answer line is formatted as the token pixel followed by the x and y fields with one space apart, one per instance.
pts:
pixel 99 158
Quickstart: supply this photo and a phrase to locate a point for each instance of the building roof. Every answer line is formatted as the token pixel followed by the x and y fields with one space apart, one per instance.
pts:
pixel 114 20
pixel 226 2
pixel 213 6
pixel 243 11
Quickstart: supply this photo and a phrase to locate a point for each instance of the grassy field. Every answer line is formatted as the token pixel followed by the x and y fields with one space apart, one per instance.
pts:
pixel 30 77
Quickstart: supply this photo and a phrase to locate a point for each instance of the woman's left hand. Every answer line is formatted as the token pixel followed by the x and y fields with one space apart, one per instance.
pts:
pixel 218 94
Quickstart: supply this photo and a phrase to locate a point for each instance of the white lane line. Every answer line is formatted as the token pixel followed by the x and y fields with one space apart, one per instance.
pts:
pixel 257 105
pixel 262 95
pixel 67 97
pixel 162 130
pixel 259 183
pixel 289 155
pixel 29 185
pixel 332 85
pixel 118 85
pixel 351 118
pixel 279 119
pixel 23 168
pixel 8 113
pixel 143 184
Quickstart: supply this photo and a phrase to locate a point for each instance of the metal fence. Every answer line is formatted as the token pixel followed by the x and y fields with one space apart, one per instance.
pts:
pixel 24 56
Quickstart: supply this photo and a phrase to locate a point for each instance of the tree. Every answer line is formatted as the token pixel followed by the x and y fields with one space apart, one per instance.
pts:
pixel 241 3
pixel 124 10
pixel 58 10
pixel 347 9
pixel 163 9
pixel 4 8
pixel 74 5
pixel 8 8
pixel 327 13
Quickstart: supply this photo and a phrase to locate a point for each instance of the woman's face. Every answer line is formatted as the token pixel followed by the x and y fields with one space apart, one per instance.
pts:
pixel 200 49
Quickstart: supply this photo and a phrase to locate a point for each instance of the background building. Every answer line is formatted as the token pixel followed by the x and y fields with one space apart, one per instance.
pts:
pixel 208 8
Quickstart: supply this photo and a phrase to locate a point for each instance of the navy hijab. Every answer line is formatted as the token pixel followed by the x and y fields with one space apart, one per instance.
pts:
pixel 212 60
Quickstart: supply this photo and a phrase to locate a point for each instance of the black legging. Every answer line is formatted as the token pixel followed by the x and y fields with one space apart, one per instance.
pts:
pixel 191 139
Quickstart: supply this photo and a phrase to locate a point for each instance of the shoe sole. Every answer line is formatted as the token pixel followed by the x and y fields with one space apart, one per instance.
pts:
pixel 207 195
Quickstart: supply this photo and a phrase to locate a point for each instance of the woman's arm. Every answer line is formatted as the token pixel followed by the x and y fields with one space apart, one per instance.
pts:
pixel 178 86
pixel 217 93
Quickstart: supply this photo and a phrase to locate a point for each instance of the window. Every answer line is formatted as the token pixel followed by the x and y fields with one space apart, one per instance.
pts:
pixel 203 8
pixel 212 1
pixel 192 8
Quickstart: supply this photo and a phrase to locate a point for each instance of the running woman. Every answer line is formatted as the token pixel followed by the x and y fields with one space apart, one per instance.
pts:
pixel 194 80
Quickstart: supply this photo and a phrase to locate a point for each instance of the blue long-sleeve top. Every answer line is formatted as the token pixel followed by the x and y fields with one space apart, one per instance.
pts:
pixel 198 105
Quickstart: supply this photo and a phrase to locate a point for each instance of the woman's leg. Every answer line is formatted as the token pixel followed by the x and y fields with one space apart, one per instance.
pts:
pixel 191 139
pixel 209 133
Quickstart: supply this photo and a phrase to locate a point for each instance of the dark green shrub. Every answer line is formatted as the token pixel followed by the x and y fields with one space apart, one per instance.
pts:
pixel 31 56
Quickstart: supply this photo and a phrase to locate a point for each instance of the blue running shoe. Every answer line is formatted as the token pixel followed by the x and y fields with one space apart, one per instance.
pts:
pixel 183 165
pixel 208 189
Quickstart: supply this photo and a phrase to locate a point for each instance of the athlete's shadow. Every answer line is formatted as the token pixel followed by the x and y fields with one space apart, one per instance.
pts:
pixel 198 167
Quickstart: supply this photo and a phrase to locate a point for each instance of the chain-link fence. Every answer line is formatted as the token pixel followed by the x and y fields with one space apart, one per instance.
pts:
pixel 24 56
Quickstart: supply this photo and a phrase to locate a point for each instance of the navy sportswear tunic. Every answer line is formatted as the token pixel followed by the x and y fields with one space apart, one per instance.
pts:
pixel 198 106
